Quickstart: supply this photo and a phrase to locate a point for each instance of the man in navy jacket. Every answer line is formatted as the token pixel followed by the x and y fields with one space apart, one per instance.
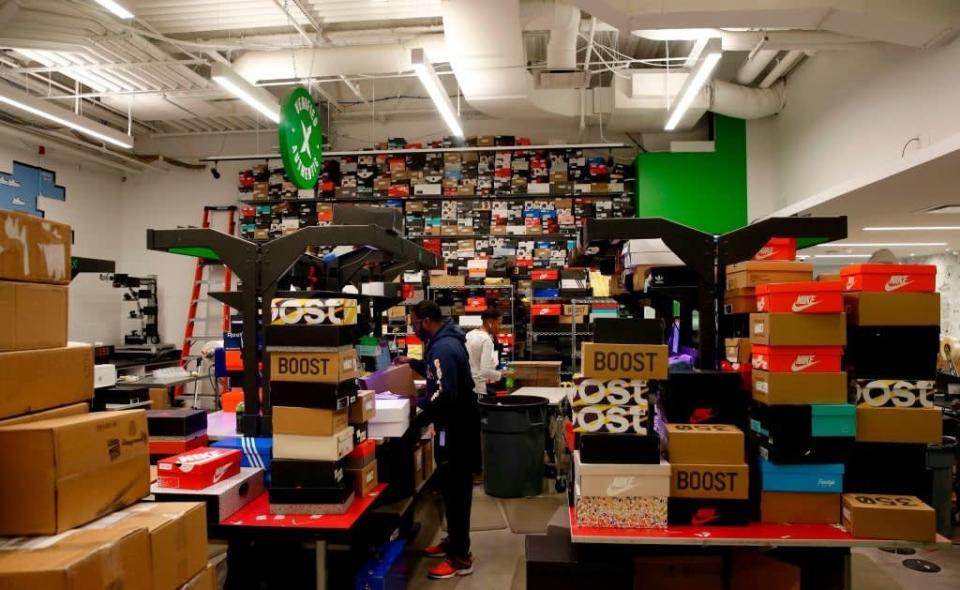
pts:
pixel 452 407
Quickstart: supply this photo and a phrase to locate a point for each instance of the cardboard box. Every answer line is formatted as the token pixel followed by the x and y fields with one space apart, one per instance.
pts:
pixel 536 373
pixel 888 278
pixel 634 419
pixel 737 350
pixel 178 538
pixel 327 396
pixel 738 300
pixel 159 398
pixel 900 393
pixel 36 380
pixel 624 361
pixel 705 444
pixel 199 468
pixel 34 249
pixel 308 421
pixel 754 272
pixel 313 448
pixel 799 388
pixel 889 517
pixel 751 569
pixel 61 473
pixel 313 312
pixel 616 392
pixel 364 479
pixel 729 482
pixel 789 329
pixel 397 379
pixel 800 507
pixel 313 366
pixel 33 316
pixel 892 309
pixel 797 359
pixel 678 572
pixel 596 447
pixel 61 412
pixel 205 580
pixel 223 498
pixel 364 408
pixel 447 280
pixel 78 559
pixel 800 297
pixel 899 425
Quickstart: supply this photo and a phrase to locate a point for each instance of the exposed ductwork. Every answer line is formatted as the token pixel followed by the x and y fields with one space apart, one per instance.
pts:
pixel 734 100
pixel 751 68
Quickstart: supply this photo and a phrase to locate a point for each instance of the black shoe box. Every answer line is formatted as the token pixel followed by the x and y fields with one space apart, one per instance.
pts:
pixel 544 285
pixel 395 468
pixel 704 397
pixel 903 352
pixel 703 512
pixel 889 468
pixel 628 331
pixel 175 422
pixel 323 396
pixel 120 394
pixel 328 495
pixel 807 450
pixel 670 277
pixel 294 473
pixel 619 448
pixel 311 336
pixel 554 562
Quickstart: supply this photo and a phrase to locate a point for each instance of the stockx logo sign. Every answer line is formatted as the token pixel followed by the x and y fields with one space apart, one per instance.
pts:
pixel 21 190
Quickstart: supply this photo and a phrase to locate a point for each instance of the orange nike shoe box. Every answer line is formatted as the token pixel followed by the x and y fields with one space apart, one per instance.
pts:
pixel 796 359
pixel 890 278
pixel 800 297
pixel 778 249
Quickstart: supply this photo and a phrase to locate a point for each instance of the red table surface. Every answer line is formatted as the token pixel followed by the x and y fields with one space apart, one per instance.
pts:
pixel 757 533
pixel 257 514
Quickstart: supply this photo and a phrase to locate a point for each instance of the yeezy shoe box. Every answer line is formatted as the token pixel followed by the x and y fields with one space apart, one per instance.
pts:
pixel 800 507
pixel 881 352
pixel 899 425
pixel 795 329
pixel 308 421
pixel 615 392
pixel 702 512
pixel 899 393
pixel 599 479
pixel 889 517
pixel 314 365
pixel 820 478
pixel 313 448
pixel 705 444
pixel 799 388
pixel 889 468
pixel 618 448
pixel 623 361
pixel 613 419
pixel 720 482
pixel 704 397
pixel 892 309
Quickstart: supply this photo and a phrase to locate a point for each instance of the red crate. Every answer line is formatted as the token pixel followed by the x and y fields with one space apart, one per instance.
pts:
pixel 800 297
pixel 797 359
pixel 890 278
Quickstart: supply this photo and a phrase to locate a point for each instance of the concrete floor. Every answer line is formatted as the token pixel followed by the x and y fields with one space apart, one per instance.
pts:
pixel 499 563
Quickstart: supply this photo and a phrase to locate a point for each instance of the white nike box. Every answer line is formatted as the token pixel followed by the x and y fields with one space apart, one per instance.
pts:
pixel 223 498
pixel 627 480
pixel 313 448
pixel 391 420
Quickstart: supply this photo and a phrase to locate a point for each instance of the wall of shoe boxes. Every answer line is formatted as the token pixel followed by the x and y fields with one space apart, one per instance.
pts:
pixel 823 415
pixel 71 509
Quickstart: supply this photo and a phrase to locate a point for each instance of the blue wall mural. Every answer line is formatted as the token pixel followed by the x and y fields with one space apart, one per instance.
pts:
pixel 21 191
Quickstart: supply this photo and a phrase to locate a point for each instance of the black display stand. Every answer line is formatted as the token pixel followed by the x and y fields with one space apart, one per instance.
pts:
pixel 705 254
pixel 381 255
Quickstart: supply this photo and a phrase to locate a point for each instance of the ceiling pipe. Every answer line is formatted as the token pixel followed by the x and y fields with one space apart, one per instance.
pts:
pixel 782 67
pixel 752 67
pixel 743 102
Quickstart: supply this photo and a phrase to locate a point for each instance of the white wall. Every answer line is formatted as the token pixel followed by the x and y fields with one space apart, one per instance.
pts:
pixel 92 208
pixel 847 113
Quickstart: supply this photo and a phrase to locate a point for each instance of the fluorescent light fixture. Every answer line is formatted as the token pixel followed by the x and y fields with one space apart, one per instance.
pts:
pixel 914 228
pixel 428 77
pixel 694 83
pixel 116 8
pixel 258 98
pixel 879 244
pixel 842 256
pixel 37 106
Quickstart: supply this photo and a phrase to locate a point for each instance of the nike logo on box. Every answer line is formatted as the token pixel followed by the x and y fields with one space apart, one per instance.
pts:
pixel 804 302
pixel 803 362
pixel 619 485
pixel 897 282
pixel 765 252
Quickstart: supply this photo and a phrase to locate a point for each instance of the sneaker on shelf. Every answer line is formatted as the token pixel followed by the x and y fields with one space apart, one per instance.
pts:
pixel 438 550
pixel 451 567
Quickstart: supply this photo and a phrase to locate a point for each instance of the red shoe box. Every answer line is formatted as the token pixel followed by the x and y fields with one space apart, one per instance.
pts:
pixel 199 468
pixel 362 454
pixel 890 278
pixel 778 249
pixel 545 310
pixel 800 297
pixel 476 304
pixel 175 446
pixel 796 359
pixel 545 275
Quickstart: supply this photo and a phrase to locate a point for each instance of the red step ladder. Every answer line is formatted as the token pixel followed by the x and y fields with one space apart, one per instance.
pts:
pixel 200 295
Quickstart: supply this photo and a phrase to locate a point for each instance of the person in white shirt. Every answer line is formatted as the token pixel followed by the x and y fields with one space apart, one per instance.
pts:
pixel 483 358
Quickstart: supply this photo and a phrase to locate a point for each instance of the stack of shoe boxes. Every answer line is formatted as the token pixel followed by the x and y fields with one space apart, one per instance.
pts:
pixel 313 382
pixel 364 476
pixel 175 431
pixel 621 480
pixel 893 338
pixel 801 424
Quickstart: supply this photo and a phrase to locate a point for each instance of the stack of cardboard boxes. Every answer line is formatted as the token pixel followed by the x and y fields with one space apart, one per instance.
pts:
pixel 801 424
pixel 621 480
pixel 313 383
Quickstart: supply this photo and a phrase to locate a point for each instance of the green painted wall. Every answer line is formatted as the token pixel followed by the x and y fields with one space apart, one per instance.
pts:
pixel 707 191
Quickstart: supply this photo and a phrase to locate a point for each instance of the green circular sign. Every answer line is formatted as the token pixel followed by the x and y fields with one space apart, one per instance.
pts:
pixel 301 138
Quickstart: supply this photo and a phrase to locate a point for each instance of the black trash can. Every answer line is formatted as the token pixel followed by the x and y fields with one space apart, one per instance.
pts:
pixel 513 429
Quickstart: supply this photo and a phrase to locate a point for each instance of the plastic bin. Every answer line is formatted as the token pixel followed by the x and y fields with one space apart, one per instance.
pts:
pixel 513 430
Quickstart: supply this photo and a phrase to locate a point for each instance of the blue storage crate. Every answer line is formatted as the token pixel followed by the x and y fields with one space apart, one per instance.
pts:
pixel 386 570
pixel 823 478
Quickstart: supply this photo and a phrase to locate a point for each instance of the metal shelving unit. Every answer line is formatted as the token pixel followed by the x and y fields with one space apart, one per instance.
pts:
pixel 511 296
pixel 574 353
pixel 473 197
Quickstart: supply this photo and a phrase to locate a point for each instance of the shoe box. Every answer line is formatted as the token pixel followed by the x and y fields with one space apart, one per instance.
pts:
pixel 199 468
pixel 700 512
pixel 705 444
pixel 778 249
pixel 710 481
pixel 314 365
pixel 621 512
pixel 325 396
pixel 819 477
pixel 310 336
pixel 799 388
pixel 797 359
pixel 800 507
pixel 754 272
pixel 738 350
pixel 633 419
pixel 892 309
pixel 313 448
pixel 889 278
pixel 618 448
pixel 623 361
pixel 308 421
pixel 798 329
pixel 628 331
pixel 300 473
pixel 881 516
pixel 334 500
pixel 889 468
pixel 737 301
pixel 882 352
pixel 807 297
pixel 704 397
pixel 616 392
pixel 334 312
pixel 621 480
pixel 899 425
pixel 822 433
pixel 222 498
pixel 893 393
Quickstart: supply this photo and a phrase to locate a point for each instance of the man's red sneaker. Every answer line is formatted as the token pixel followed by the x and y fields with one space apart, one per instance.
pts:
pixel 438 550
pixel 451 567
